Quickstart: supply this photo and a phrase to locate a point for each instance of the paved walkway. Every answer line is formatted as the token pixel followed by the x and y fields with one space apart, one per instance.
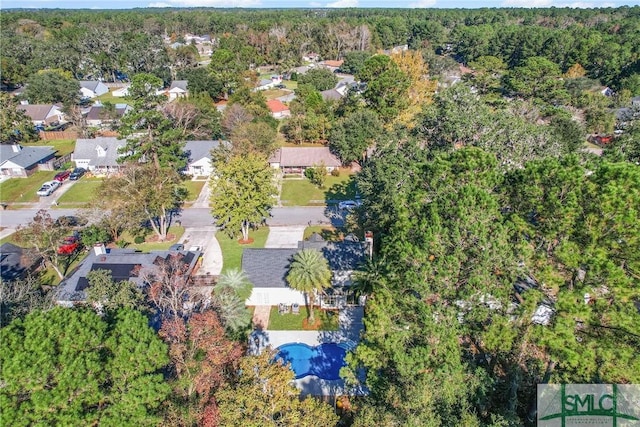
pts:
pixel 203 198
pixel 285 237
pixel 7 232
pixel 205 238
pixel 261 316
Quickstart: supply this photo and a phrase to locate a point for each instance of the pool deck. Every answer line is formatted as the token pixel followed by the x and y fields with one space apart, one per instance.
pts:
pixel 349 328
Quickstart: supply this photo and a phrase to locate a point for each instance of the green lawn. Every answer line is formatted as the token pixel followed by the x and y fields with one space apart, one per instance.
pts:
pixel 327 232
pixel 275 93
pixel 63 146
pixel 81 193
pixel 108 97
pixel 22 190
pixel 293 322
pixel 176 230
pixel 300 192
pixel 194 188
pixel 232 250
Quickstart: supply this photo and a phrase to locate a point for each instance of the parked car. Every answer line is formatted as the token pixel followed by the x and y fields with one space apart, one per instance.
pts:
pixel 69 245
pixel 48 188
pixel 61 176
pixel 77 174
pixel 349 204
pixel 280 86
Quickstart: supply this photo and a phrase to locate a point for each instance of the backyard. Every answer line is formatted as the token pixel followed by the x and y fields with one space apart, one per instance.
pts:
pixel 326 320
pixel 300 192
pixel 62 146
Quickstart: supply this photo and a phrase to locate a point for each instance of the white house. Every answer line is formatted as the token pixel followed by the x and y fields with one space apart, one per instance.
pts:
pixel 199 157
pixel 178 89
pixel 92 88
pixel 99 155
pixel 266 84
pixel 267 270
pixel 121 92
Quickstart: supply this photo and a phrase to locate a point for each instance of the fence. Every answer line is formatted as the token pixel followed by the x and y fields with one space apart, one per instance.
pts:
pixel 66 134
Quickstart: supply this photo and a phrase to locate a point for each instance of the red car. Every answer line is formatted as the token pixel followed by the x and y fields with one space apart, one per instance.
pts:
pixel 69 245
pixel 61 176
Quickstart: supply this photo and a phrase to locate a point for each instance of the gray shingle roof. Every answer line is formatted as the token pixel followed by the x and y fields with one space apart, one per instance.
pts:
pixel 197 150
pixel 268 268
pixel 87 149
pixel 15 261
pixel 179 84
pixel 27 156
pixel 89 84
pixel 37 112
pixel 331 95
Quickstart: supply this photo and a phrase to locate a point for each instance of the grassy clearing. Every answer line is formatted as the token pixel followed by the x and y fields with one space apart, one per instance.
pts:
pixel 300 192
pixel 275 93
pixel 23 190
pixel 62 146
pixel 232 250
pixel 82 192
pixel 293 322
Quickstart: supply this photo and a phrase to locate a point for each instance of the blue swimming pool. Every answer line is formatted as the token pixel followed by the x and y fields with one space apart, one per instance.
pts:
pixel 323 361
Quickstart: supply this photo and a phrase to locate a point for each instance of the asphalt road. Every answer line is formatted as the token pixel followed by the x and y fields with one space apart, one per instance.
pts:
pixel 198 217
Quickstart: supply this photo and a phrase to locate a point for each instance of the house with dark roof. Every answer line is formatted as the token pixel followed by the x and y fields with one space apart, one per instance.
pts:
pixel 92 88
pixel 124 265
pixel 17 262
pixel 267 269
pixel 298 159
pixel 98 116
pixel 199 157
pixel 20 162
pixel 98 155
pixel 43 114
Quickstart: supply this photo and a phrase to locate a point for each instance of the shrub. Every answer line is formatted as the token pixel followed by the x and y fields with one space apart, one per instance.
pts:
pixel 317 175
pixel 335 172
pixel 138 239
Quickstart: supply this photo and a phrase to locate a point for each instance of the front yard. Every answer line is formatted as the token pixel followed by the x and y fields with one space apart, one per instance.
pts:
pixel 23 190
pixel 300 192
pixel 82 192
pixel 294 322
pixel 232 250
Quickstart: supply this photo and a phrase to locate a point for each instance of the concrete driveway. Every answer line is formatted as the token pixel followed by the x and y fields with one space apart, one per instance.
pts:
pixel 284 237
pixel 205 238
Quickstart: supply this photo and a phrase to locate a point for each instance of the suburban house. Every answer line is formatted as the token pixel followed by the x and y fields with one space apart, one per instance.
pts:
pixel 311 57
pixel 20 162
pixel 278 109
pixel 297 159
pixel 98 116
pixel 98 155
pixel 267 270
pixel 43 114
pixel 266 84
pixel 124 265
pixel 199 157
pixel 331 64
pixel 178 89
pixel 92 88
pixel 17 262
pixel 338 92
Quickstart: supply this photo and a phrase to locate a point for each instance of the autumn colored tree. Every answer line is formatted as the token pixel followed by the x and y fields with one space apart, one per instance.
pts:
pixel 263 394
pixel 202 361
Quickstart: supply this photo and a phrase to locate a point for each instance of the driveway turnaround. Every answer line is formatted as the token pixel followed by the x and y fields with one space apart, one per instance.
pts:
pixel 285 237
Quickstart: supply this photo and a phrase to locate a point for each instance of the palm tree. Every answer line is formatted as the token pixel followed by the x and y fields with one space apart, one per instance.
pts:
pixel 232 311
pixel 309 273
pixel 234 281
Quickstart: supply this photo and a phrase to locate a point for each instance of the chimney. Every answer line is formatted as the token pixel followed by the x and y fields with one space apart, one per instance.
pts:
pixel 99 249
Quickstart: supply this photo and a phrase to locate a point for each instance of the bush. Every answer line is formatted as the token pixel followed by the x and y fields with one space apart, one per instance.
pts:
pixel 335 172
pixel 122 243
pixel 138 239
pixel 317 175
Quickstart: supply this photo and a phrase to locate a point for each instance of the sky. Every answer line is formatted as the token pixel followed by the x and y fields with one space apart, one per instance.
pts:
pixel 128 4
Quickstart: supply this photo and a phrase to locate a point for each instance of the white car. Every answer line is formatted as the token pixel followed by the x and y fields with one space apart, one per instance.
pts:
pixel 48 188
pixel 349 204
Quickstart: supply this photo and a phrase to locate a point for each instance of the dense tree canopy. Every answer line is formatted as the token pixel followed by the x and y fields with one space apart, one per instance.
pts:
pixel 68 366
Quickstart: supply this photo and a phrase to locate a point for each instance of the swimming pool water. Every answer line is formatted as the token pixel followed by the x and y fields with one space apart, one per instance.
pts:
pixel 323 361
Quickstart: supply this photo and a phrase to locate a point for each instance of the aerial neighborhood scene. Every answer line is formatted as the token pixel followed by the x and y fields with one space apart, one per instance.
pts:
pixel 309 215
